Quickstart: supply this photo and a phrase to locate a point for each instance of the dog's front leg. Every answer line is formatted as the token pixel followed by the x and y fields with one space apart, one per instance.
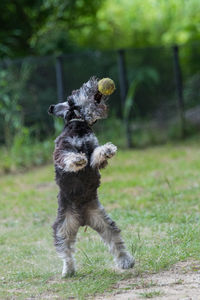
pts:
pixel 70 161
pixel 101 154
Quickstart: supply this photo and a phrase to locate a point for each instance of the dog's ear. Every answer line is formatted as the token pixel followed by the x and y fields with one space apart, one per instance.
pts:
pixel 59 110
pixel 50 110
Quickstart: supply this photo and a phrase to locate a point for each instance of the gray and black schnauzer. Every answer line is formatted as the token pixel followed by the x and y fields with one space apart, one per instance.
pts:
pixel 78 158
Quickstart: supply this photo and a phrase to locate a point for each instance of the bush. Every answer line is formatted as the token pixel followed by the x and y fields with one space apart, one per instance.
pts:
pixel 25 153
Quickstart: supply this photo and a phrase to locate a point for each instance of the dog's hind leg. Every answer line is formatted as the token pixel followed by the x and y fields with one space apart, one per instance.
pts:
pixel 110 233
pixel 65 231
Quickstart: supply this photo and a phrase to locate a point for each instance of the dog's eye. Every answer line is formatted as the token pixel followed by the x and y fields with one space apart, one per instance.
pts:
pixel 97 97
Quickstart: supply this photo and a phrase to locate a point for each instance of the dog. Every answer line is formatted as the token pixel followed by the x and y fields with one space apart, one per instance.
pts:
pixel 78 157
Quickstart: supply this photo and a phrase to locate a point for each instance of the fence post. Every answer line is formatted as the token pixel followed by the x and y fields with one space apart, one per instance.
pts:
pixel 179 88
pixel 123 81
pixel 122 76
pixel 59 79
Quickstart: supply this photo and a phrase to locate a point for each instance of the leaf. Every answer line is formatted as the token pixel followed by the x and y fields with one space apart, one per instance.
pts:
pixel 130 98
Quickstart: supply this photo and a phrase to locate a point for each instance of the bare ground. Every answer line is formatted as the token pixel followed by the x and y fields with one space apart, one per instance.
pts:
pixel 181 282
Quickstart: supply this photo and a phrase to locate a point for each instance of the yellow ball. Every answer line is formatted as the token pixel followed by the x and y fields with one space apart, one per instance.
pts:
pixel 106 86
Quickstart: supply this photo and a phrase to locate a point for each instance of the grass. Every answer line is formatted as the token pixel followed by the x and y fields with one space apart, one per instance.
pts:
pixel 153 195
pixel 152 294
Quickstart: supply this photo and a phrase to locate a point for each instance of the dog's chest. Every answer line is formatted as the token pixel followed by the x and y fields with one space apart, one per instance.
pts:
pixel 85 143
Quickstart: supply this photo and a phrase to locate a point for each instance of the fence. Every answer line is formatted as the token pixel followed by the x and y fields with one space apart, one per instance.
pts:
pixel 166 97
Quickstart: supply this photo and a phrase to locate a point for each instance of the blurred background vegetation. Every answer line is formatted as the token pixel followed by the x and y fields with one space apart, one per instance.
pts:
pixel 48 48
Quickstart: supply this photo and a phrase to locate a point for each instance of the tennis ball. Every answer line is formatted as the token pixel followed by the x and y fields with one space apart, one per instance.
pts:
pixel 106 86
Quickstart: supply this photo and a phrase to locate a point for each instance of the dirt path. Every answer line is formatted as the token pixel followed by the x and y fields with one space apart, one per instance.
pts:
pixel 181 282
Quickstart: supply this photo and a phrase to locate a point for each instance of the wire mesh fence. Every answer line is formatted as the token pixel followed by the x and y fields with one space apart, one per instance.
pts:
pixel 28 86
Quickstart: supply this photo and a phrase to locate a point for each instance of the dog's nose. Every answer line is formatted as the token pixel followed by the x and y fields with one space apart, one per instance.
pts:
pixel 51 109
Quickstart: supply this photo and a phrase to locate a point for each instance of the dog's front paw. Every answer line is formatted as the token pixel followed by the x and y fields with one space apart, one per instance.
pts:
pixel 76 162
pixel 125 261
pixel 109 150
pixel 101 154
pixel 80 162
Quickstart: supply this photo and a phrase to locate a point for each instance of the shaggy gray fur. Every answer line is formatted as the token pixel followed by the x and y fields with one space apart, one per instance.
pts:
pixel 78 158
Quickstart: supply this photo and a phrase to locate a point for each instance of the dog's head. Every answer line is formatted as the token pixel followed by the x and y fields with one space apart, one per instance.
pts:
pixel 86 104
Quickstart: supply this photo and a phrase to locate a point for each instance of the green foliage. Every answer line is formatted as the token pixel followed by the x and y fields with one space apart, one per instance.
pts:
pixel 25 152
pixel 111 129
pixel 58 125
pixel 12 86
pixel 126 23
pixel 147 76
pixel 27 88
pixel 55 26
pixel 41 27
pixel 129 101
pixel 19 22
pixel 192 91
pixel 144 75
pixel 66 15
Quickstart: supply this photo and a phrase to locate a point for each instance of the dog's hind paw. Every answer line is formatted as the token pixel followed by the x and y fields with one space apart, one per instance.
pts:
pixel 125 261
pixel 68 270
pixel 68 274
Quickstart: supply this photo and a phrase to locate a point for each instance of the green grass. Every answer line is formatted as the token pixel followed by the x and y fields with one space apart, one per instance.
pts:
pixel 152 294
pixel 153 195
